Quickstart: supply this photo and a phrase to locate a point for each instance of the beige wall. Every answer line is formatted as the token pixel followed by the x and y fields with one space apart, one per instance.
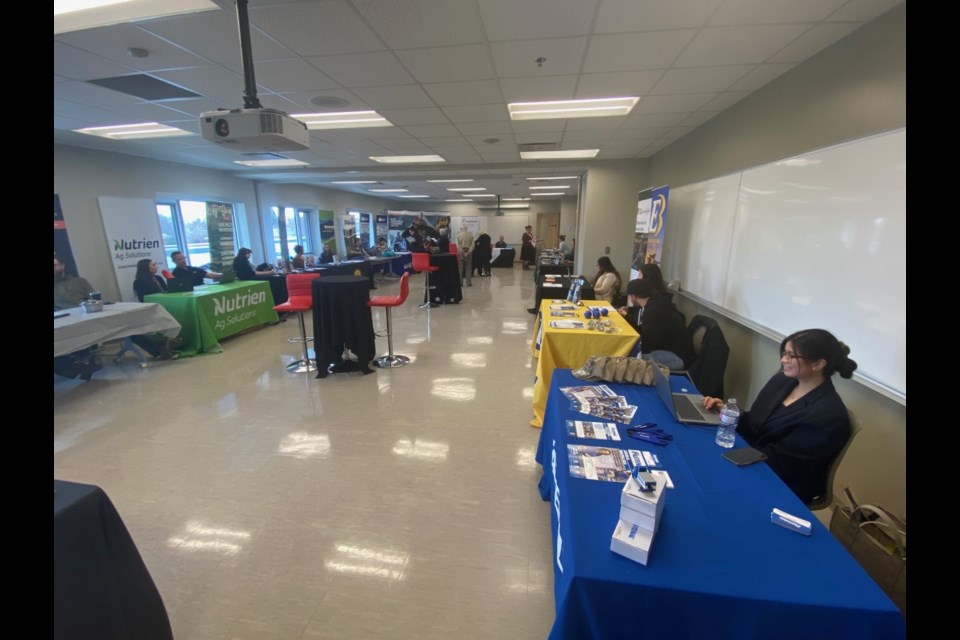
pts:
pixel 853 89
pixel 609 212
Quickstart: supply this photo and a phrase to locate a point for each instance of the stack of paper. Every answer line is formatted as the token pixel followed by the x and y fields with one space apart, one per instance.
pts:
pixel 600 401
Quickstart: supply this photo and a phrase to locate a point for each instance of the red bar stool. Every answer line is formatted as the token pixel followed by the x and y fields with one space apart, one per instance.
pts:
pixel 300 299
pixel 391 361
pixel 421 262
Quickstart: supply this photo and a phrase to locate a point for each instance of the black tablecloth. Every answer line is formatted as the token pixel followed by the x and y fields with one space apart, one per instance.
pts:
pixel 355 268
pixel 505 259
pixel 446 280
pixel 553 293
pixel 101 588
pixel 278 286
pixel 553 270
pixel 341 318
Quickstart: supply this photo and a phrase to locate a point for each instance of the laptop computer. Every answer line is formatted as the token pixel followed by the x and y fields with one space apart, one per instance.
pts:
pixel 687 407
pixel 180 284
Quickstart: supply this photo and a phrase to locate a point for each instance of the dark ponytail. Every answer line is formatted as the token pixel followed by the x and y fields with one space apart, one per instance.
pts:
pixel 819 344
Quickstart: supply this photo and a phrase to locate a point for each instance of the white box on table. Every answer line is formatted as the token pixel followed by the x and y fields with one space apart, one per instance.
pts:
pixel 631 541
pixel 648 503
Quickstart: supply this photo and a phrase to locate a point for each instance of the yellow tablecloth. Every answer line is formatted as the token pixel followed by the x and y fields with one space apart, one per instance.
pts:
pixel 570 348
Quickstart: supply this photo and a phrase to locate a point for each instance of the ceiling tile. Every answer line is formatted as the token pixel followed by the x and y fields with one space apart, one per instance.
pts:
pixel 737 45
pixel 636 51
pixel 405 97
pixel 446 142
pixel 363 69
pixel 612 85
pixel 773 11
pixel 512 20
pixel 213 35
pixel 641 133
pixel 813 41
pixel 485 129
pixel 113 43
pixel 864 10
pixel 77 64
pixel 533 89
pixel 426 23
pixel 448 64
pixel 725 100
pixel 587 139
pixel 760 76
pixel 479 113
pixel 90 94
pixel 654 119
pixel 450 94
pixel 700 80
pixel 431 130
pixel 518 59
pixel 617 16
pixel 293 74
pixel 682 102
pixel 698 118
pixel 429 115
pixel 478 141
pixel 195 106
pixel 145 112
pixel 211 80
pixel 303 99
pixel 555 127
pixel 316 28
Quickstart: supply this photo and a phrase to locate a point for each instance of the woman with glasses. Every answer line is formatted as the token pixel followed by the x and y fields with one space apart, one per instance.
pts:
pixel 798 418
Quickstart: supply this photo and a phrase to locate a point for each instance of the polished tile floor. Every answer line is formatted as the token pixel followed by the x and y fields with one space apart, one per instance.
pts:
pixel 401 504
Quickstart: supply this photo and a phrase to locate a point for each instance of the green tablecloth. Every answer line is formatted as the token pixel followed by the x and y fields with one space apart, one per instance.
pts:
pixel 211 312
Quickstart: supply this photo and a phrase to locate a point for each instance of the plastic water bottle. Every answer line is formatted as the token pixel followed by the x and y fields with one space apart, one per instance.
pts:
pixel 729 416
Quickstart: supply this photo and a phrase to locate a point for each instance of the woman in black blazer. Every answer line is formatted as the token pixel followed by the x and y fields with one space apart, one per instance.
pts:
pixel 146 281
pixel 798 419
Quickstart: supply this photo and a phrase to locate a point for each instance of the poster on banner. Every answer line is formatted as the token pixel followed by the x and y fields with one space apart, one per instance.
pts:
pixel 61 242
pixel 133 234
pixel 328 233
pixel 382 229
pixel 220 234
pixel 649 229
pixel 365 230
pixel 471 223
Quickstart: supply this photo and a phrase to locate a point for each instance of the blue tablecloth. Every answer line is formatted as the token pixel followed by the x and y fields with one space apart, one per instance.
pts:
pixel 717 568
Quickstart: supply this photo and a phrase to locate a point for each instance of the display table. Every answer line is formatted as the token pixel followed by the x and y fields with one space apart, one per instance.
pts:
pixel 80 330
pixel 101 588
pixel 342 319
pixel 555 287
pixel 503 258
pixel 446 280
pixel 212 312
pixel 570 348
pixel 278 286
pixel 401 263
pixel 717 567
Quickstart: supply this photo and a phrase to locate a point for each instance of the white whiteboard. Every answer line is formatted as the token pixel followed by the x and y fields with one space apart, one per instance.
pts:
pixel 816 241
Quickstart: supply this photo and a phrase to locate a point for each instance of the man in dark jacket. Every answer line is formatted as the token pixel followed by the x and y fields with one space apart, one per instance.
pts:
pixel 662 328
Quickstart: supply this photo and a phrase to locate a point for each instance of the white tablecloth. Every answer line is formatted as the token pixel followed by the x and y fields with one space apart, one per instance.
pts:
pixel 79 330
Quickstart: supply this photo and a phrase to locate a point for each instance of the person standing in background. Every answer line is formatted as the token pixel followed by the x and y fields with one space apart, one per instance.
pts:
pixel 528 253
pixel 465 242
pixel 482 251
pixel 565 248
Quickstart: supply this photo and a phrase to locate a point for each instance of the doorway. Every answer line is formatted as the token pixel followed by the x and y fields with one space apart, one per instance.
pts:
pixel 548 230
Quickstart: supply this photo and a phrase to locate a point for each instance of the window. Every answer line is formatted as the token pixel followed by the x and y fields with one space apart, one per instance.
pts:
pixel 294 230
pixel 183 224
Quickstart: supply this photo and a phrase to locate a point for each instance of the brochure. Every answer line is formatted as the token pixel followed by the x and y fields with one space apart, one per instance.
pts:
pixel 592 430
pixel 602 463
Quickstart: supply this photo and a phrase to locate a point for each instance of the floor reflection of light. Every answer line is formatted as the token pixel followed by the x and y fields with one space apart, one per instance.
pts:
pixel 227 405
pixel 422 449
pixel 263 380
pixel 514 327
pixel 367 561
pixel 516 579
pixel 526 458
pixel 200 537
pixel 383 386
pixel 480 340
pixel 459 389
pixel 305 445
pixel 416 340
pixel 471 360
pixel 526 392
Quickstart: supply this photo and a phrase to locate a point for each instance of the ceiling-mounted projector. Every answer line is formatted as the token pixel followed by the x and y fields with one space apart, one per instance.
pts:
pixel 247 130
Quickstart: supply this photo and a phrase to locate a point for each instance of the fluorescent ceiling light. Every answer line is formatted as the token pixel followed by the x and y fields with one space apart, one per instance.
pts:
pixel 506 206
pixel 388 190
pixel 134 131
pixel 420 196
pixel 555 178
pixel 342 120
pixel 590 108
pixel 559 155
pixel 354 182
pixel 552 186
pixel 280 162
pixel 457 180
pixel 468 189
pixel 406 159
pixel 483 195
pixel 458 200
pixel 73 15
pixel 514 199
pixel 559 193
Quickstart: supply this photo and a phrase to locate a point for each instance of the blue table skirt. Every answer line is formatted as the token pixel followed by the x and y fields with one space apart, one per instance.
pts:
pixel 717 568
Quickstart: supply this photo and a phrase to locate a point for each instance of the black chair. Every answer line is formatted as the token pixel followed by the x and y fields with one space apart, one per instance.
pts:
pixel 712 353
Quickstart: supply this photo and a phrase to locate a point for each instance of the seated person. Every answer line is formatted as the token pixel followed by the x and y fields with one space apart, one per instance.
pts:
pixel 326 256
pixel 243 268
pixel 298 261
pixel 382 246
pixel 356 250
pixel 501 243
pixel 146 281
pixel 606 284
pixel 663 332
pixel 798 418
pixel 565 248
pixel 652 274
pixel 68 290
pixel 196 274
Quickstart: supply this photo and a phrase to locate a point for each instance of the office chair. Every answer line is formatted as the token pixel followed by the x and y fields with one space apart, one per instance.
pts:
pixel 825 500
pixel 391 361
pixel 712 352
pixel 421 262
pixel 300 299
